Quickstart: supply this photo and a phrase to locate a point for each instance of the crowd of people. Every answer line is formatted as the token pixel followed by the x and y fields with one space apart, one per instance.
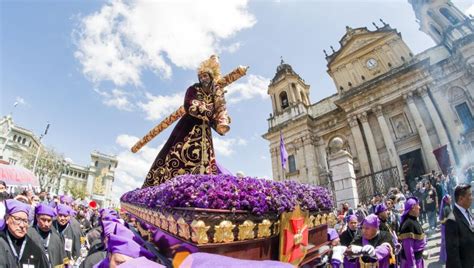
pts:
pixel 388 231
pixel 37 231
pixel 57 231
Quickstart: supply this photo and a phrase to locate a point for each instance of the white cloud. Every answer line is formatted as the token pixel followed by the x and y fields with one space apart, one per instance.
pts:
pixel 470 10
pixel 226 146
pixel 160 106
pixel 254 86
pixel 19 100
pixel 116 98
pixel 122 39
pixel 132 168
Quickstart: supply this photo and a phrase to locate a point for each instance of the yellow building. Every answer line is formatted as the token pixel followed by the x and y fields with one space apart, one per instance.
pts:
pixel 391 109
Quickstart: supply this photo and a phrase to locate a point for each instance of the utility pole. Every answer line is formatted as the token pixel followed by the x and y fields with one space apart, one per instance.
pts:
pixel 39 147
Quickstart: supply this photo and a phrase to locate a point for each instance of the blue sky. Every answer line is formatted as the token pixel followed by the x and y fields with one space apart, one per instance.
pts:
pixel 103 73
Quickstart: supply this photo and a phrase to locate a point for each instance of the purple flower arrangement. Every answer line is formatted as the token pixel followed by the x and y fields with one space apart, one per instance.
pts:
pixel 258 196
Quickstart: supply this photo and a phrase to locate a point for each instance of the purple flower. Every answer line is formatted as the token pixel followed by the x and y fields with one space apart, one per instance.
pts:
pixel 257 196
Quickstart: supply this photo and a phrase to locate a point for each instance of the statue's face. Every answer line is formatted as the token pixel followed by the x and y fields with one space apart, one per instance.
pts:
pixel 205 79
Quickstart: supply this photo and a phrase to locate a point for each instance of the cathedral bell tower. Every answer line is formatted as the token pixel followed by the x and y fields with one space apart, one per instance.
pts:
pixel 443 22
pixel 287 89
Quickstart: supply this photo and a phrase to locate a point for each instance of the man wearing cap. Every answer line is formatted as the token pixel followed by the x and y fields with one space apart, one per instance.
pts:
pixel 98 251
pixel 460 230
pixel 72 240
pixel 46 237
pixel 375 246
pixel 121 250
pixel 73 222
pixel 17 249
pixel 411 235
pixel 346 238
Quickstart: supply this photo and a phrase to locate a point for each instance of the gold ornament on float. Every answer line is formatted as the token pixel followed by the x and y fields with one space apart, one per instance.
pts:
pixel 224 232
pixel 199 234
pixel 276 228
pixel 164 222
pixel 246 230
pixel 183 229
pixel 311 221
pixel 264 229
pixel 172 227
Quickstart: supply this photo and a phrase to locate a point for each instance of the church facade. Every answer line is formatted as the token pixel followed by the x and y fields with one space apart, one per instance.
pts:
pixel 392 108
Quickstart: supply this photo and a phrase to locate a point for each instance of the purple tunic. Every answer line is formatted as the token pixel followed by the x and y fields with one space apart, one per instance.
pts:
pixel 382 252
pixel 382 243
pixel 413 242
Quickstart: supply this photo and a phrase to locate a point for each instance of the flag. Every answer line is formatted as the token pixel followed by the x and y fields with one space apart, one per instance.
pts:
pixel 442 156
pixel 283 152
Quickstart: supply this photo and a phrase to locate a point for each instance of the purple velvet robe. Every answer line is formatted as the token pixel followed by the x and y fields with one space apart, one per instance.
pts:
pixel 413 242
pixel 189 149
pixel 382 243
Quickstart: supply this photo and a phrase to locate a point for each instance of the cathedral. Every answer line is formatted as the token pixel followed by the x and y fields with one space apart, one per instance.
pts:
pixel 392 109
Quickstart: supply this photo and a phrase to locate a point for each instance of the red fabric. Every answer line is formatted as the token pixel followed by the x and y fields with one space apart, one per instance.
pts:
pixel 15 175
pixel 442 156
pixel 290 247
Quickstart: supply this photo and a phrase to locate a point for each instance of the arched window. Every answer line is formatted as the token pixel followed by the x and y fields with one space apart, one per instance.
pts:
pixel 291 164
pixel 302 96
pixel 23 141
pixel 14 137
pixel 465 115
pixel 435 30
pixel 445 12
pixel 96 163
pixel 284 100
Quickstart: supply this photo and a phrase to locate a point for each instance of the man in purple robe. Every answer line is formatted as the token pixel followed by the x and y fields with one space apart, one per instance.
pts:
pixel 374 247
pixel 411 235
pixel 189 149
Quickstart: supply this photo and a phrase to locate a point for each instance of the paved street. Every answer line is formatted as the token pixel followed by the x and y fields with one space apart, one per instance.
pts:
pixel 432 251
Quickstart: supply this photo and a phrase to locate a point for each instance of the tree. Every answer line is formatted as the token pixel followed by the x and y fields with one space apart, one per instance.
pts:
pixel 49 167
pixel 77 190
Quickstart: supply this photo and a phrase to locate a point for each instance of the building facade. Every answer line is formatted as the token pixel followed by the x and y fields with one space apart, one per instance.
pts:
pixel 96 178
pixel 391 108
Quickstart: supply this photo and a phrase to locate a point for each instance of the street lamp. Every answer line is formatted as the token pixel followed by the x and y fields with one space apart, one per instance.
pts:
pixel 39 147
pixel 64 169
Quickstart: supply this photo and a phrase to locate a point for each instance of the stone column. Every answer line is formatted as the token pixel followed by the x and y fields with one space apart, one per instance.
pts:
pixel 440 130
pixel 360 146
pixel 422 132
pixel 387 137
pixel 374 154
pixel 343 177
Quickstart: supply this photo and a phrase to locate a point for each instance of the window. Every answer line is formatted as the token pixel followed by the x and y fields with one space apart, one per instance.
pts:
pixel 302 96
pixel 23 141
pixel 96 163
pixel 449 15
pixel 284 100
pixel 291 164
pixel 435 30
pixel 12 161
pixel 465 115
pixel 14 138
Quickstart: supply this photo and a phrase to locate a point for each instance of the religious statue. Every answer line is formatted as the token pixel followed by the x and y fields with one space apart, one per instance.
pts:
pixel 189 149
